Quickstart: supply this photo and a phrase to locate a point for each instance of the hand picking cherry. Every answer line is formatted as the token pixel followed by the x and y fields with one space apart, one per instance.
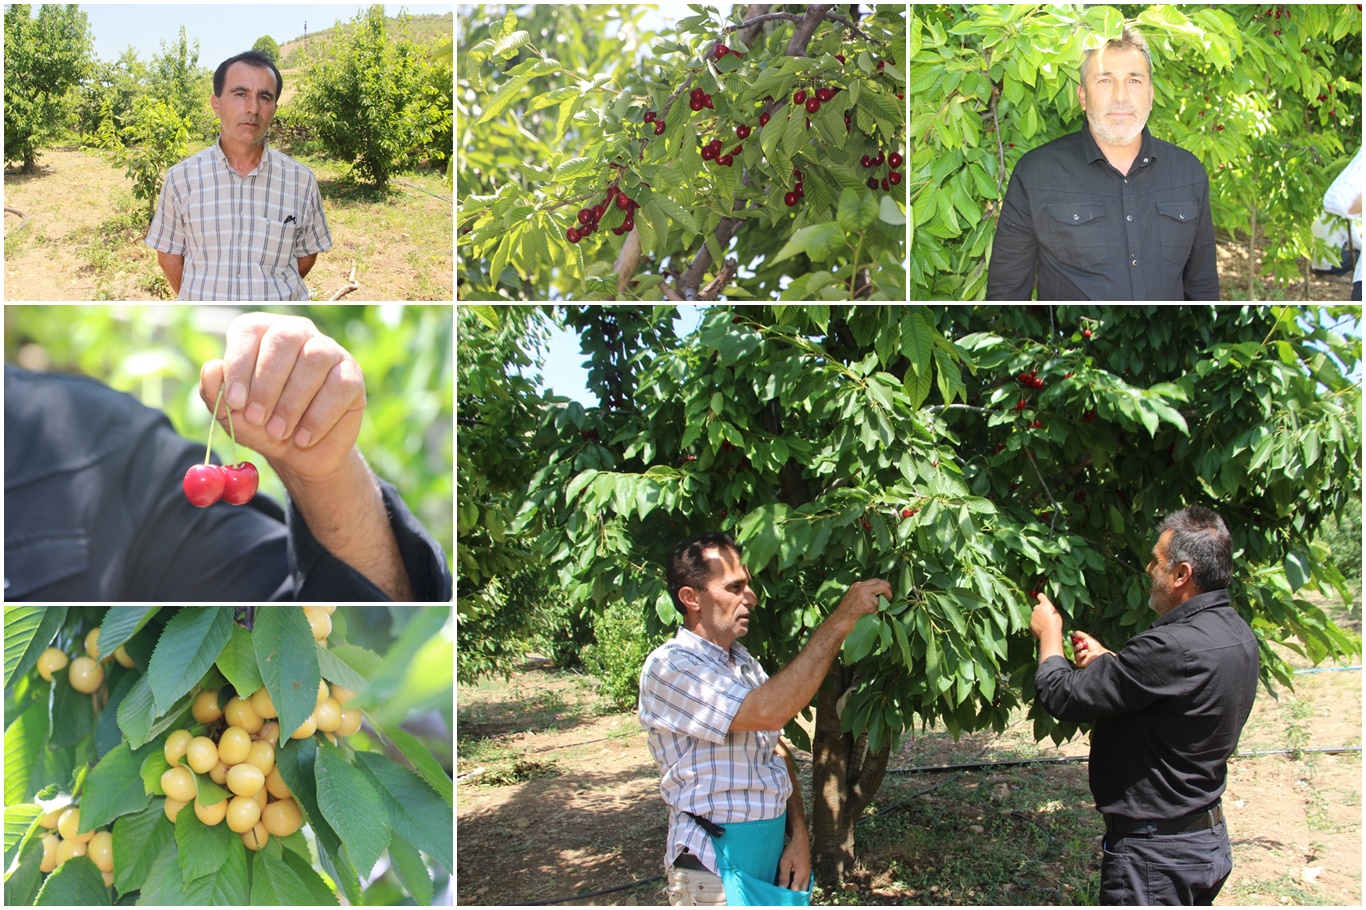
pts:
pixel 239 483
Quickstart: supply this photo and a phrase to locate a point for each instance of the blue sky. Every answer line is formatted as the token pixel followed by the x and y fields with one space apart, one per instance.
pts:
pixel 222 29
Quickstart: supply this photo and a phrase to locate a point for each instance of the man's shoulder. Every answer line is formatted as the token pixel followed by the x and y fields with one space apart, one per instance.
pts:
pixel 185 165
pixel 1052 152
pixel 291 166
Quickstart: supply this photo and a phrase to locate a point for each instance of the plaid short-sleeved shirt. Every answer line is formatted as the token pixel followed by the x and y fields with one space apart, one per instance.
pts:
pixel 240 236
pixel 690 692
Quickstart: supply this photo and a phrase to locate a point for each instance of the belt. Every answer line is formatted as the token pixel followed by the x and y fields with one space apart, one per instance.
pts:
pixel 1200 821
pixel 687 860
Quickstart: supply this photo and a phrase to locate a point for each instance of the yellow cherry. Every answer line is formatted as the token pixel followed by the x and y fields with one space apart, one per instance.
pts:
pixel 69 823
pixel 176 744
pixel 178 784
pixel 172 808
pixel 243 814
pixel 282 817
pixel 211 815
pixel 50 661
pixel 101 851
pixel 256 838
pixel 240 713
pixel 205 708
pixel 202 754
pixel 86 675
pixel 262 704
pixel 50 844
pixel 233 746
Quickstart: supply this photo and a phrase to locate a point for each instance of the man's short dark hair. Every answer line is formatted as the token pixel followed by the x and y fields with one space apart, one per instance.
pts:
pixel 1129 40
pixel 250 58
pixel 1200 537
pixel 688 566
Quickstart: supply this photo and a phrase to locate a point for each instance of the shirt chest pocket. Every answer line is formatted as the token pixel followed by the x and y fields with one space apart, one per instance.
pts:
pixel 277 251
pixel 1075 233
pixel 1176 225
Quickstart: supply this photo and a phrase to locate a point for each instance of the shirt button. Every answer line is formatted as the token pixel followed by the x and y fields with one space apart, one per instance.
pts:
pixel 1135 262
pixel 1075 217
pixel 1182 217
pixel 1128 217
pixel 1145 160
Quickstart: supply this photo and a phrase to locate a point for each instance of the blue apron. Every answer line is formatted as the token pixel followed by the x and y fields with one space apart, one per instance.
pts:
pixel 747 855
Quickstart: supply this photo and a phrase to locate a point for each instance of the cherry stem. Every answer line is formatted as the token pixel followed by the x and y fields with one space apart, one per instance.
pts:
pixel 232 434
pixel 208 446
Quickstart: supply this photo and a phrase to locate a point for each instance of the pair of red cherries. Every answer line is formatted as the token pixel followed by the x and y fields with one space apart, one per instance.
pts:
pixel 207 483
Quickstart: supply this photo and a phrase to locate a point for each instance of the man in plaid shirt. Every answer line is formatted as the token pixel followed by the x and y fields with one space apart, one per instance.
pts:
pixel 715 718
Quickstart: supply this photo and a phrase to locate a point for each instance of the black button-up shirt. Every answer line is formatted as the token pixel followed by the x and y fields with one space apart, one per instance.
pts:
pixel 1083 231
pixel 94 511
pixel 1168 709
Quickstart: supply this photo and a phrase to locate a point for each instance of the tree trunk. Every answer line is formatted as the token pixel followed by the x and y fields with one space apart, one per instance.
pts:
pixel 31 164
pixel 1252 257
pixel 844 779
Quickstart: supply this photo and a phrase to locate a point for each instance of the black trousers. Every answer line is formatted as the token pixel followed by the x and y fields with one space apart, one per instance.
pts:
pixel 1165 869
pixel 1356 290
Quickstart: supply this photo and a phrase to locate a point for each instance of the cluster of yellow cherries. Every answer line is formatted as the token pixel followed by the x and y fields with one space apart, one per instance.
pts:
pixel 243 760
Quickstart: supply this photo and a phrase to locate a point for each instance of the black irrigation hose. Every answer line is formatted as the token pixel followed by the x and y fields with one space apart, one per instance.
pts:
pixel 1070 759
pixel 586 894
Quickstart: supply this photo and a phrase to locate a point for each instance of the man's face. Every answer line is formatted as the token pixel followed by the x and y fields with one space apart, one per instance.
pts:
pixel 1162 597
pixel 727 601
pixel 247 104
pixel 1117 96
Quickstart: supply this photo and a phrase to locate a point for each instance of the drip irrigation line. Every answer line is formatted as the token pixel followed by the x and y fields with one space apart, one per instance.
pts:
pixel 420 189
pixel 1327 670
pixel 1072 759
pixel 587 894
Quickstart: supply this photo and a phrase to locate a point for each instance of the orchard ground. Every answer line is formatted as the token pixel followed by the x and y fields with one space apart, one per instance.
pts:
pixel 84 238
pixel 559 796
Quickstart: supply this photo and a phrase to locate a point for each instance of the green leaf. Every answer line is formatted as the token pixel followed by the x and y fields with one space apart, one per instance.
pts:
pixel 25 744
pixel 335 670
pixel 889 212
pixel 818 241
pixel 23 883
pixel 350 804
pixel 18 822
pixel 75 883
pixel 504 97
pixel 1297 570
pixel 275 884
pixel 320 894
pixel 412 872
pixel 423 762
pixel 114 789
pixel 122 623
pixel 860 641
pixel 69 713
pixel 238 662
pixel 138 716
pixel 107 732
pixel 203 848
pixel 424 822
pixel 288 659
pixel 188 646
pixel 575 169
pixel 297 765
pixel 28 632
pixel 138 839
pixel 164 886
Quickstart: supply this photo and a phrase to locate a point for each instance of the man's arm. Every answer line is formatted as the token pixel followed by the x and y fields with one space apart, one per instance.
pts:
pixel 1011 273
pixel 1201 275
pixel 794 866
pixel 174 267
pixel 783 696
pixel 297 398
pixel 306 264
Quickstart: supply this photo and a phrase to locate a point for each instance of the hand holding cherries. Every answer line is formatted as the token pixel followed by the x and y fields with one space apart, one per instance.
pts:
pixel 235 484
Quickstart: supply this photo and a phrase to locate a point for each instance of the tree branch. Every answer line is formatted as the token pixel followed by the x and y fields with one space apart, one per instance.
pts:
pixel 749 31
pixel 760 20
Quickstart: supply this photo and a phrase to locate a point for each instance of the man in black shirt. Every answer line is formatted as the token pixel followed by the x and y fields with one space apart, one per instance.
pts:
pixel 95 511
pixel 1107 213
pixel 1168 709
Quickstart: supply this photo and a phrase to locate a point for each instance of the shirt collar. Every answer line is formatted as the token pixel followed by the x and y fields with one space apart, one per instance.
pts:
pixel 1094 154
pixel 691 641
pixel 223 157
pixel 1195 605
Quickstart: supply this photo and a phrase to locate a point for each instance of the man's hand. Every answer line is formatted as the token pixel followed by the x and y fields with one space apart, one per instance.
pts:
pixel 1085 649
pixel 1046 620
pixel 794 866
pixel 860 600
pixel 297 397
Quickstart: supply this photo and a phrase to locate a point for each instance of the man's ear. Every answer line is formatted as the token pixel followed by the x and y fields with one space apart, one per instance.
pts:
pixel 688 597
pixel 1081 96
pixel 1184 575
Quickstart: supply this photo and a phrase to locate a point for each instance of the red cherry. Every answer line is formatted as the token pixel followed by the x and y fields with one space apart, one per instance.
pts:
pixel 790 198
pixel 886 184
pixel 708 153
pixel 623 203
pixel 573 235
pixel 906 513
pixel 894 160
pixel 881 64
pixel 839 57
pixel 239 483
pixel 726 160
pixel 799 97
pixel 721 51
pixel 764 118
pixel 629 223
pixel 742 131
pixel 585 216
pixel 877 160
pixel 696 94
pixel 737 150
pixel 659 127
pixel 824 94
pixel 894 176
pixel 619 230
pixel 872 183
pixel 866 161
pixel 813 105
pixel 1086 333
pixel 715 146
pixel 203 484
pixel 706 101
pixel 649 116
pixel 864 522
pixel 695 104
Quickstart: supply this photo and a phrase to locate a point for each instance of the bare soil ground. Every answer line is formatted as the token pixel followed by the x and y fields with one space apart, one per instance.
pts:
pixel 1233 279
pixel 79 243
pixel 557 797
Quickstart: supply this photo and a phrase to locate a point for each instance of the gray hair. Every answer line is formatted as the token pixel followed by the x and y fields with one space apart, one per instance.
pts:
pixel 1129 40
pixel 1200 537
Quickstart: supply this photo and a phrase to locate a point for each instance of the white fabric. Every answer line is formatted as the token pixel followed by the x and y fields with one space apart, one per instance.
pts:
pixel 1343 193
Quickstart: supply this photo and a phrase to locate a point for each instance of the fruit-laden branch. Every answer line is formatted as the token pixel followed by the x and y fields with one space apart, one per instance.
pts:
pixel 728 227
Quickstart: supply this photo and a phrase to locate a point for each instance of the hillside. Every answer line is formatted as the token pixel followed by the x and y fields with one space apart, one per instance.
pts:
pixel 423 29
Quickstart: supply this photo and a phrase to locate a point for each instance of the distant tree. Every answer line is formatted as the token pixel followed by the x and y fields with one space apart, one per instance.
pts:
pixel 44 57
pixel 266 45
pixel 370 100
pixel 175 76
